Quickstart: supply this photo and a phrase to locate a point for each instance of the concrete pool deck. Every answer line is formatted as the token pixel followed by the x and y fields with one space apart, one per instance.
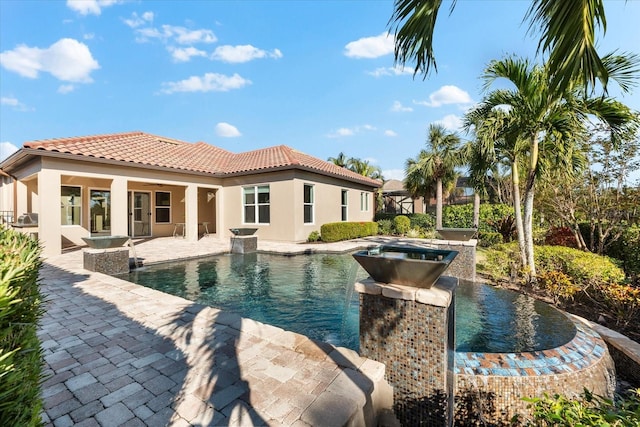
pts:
pixel 120 354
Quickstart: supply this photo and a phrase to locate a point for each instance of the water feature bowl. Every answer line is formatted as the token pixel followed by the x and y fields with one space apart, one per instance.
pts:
pixel 243 231
pixel 410 266
pixel 105 242
pixel 460 234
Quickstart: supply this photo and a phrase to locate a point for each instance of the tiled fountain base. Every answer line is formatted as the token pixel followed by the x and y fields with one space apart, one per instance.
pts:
pixel 490 386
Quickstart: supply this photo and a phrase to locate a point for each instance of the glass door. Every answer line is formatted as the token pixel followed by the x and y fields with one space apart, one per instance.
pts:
pixel 100 206
pixel 139 214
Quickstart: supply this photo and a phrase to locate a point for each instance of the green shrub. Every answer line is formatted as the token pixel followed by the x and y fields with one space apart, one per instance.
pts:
pixel 337 231
pixel 314 236
pixel 457 216
pixel 627 250
pixel 585 268
pixel 487 239
pixel 588 410
pixel 425 222
pixel 20 354
pixel 401 224
pixel 385 227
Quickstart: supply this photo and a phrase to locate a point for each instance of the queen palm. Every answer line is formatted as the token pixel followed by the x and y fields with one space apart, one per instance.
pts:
pixel 437 163
pixel 567 37
pixel 364 168
pixel 531 116
pixel 341 160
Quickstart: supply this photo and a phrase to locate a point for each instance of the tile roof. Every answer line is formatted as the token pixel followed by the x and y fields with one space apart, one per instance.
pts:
pixel 146 149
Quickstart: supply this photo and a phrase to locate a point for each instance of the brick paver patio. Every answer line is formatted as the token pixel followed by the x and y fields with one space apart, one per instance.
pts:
pixel 119 354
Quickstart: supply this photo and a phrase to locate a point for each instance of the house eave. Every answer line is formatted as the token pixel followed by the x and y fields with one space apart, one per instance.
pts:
pixel 25 153
pixel 364 182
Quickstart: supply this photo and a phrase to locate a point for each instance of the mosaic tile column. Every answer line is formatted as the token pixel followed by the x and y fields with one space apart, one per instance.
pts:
pixel 411 331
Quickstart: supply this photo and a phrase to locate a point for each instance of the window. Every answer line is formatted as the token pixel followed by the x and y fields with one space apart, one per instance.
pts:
pixel 163 207
pixel 256 205
pixel 308 204
pixel 364 201
pixel 71 205
pixel 344 204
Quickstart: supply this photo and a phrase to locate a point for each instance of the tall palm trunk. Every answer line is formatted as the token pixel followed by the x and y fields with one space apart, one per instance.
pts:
pixel 438 203
pixel 476 209
pixel 528 209
pixel 515 182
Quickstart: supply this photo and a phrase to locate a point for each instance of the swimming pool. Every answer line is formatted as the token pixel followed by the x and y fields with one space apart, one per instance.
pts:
pixel 313 295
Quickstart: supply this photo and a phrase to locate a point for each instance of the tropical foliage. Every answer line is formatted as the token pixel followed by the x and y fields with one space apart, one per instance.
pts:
pixel 435 165
pixel 567 29
pixel 538 132
pixel 361 167
pixel 20 354
pixel 587 410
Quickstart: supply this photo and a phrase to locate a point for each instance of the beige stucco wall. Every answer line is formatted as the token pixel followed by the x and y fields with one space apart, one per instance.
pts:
pixel 286 203
pixel 195 199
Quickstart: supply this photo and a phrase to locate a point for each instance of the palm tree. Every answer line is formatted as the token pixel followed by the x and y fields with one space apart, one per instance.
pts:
pixel 567 35
pixel 341 160
pixel 533 123
pixel 364 168
pixel 437 163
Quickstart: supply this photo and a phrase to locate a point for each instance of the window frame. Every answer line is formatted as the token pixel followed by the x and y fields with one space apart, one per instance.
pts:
pixel 344 205
pixel 256 203
pixel 79 206
pixel 364 201
pixel 157 207
pixel 310 204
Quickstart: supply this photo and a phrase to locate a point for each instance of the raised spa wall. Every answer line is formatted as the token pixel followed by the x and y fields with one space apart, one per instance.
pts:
pixel 412 332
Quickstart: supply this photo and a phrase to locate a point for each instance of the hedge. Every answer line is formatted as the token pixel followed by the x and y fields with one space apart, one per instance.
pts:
pixel 337 231
pixel 20 354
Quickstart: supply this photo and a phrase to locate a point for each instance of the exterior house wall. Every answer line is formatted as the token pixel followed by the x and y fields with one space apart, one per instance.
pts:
pixel 7 199
pixel 282 218
pixel 286 190
pixel 328 202
pixel 90 175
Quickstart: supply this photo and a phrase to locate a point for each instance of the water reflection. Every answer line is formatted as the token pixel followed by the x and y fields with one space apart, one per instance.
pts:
pixel 313 295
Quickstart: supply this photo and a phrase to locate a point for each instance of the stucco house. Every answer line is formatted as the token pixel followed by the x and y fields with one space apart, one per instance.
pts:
pixel 143 185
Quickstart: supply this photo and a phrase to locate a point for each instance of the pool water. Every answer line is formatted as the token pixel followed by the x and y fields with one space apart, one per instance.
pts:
pixel 313 295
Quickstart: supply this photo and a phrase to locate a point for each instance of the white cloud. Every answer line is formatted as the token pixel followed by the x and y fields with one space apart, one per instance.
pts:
pixel 210 82
pixel 390 71
pixel 451 122
pixel 15 103
pixel 370 47
pixel 447 94
pixel 390 133
pixel 7 149
pixel 341 132
pixel 226 130
pixel 9 101
pixel 67 60
pixel 64 89
pixel 136 21
pixel 176 34
pixel 393 174
pixel 90 7
pixel 399 108
pixel 243 53
pixel 88 36
pixel 185 54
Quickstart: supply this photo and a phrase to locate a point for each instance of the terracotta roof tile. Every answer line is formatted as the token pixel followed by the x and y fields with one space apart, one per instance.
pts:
pixel 147 149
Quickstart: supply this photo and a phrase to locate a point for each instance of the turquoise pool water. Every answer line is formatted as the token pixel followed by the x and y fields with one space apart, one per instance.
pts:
pixel 313 295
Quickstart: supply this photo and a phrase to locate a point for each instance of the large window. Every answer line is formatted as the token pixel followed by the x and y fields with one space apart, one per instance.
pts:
pixel 163 207
pixel 364 201
pixel 256 204
pixel 71 205
pixel 308 204
pixel 344 204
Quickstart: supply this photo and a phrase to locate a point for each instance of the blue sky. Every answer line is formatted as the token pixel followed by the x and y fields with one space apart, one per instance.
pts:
pixel 317 76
